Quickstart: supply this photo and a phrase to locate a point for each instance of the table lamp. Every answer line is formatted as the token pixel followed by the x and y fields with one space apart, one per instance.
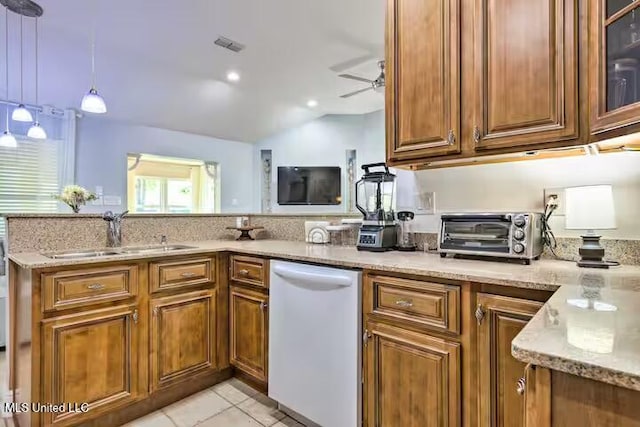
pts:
pixel 591 208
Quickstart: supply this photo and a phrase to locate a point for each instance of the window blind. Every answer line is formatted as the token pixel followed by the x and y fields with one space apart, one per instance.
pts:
pixel 29 176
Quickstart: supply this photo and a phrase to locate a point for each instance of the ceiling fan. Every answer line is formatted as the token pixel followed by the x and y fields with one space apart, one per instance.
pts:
pixel 377 84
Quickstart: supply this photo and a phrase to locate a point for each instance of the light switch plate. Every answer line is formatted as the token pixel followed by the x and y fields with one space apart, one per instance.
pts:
pixel 425 203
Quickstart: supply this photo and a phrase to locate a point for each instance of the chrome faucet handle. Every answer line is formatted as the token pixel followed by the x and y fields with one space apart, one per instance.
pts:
pixel 107 216
pixel 163 240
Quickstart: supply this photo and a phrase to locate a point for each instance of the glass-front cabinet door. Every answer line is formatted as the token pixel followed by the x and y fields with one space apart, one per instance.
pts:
pixel 614 64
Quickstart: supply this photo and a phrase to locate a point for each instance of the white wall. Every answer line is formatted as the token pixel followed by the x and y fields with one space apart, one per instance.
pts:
pixel 101 159
pixel 322 142
pixel 520 186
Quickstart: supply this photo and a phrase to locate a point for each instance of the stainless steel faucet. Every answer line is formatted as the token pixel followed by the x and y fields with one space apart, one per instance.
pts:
pixel 163 240
pixel 114 228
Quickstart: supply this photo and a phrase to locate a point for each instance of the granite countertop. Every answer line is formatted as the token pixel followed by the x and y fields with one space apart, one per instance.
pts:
pixel 602 345
pixel 590 330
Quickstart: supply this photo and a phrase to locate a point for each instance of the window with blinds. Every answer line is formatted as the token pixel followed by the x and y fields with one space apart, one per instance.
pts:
pixel 29 177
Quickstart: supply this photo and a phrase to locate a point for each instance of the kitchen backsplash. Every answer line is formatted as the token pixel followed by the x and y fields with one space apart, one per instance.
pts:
pixel 32 233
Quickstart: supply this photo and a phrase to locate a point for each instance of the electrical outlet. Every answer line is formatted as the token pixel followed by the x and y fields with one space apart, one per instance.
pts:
pixel 548 192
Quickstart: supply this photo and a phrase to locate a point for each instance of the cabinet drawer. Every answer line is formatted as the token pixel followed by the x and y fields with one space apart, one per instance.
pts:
pixel 76 288
pixel 178 274
pixel 250 270
pixel 424 303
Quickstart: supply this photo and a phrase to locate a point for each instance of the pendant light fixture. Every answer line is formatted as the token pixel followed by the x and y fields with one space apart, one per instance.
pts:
pixel 7 140
pixel 92 101
pixel 21 114
pixel 36 131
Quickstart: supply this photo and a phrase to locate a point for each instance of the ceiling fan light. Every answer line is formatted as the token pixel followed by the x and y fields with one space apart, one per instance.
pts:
pixel 21 114
pixel 93 103
pixel 8 140
pixel 36 131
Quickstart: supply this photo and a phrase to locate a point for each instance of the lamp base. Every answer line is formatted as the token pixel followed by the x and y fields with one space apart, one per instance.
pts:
pixel 591 253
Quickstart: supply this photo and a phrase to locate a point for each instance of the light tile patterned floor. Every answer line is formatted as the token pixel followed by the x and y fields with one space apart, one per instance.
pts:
pixel 229 404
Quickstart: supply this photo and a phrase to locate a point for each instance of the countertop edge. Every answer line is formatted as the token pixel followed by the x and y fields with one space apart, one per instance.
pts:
pixel 576 367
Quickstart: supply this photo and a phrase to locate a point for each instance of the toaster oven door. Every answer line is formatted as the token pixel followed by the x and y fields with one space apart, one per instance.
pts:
pixel 476 234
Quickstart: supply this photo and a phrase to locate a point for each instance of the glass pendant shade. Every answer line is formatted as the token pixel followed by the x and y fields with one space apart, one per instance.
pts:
pixel 93 103
pixel 21 114
pixel 36 132
pixel 8 140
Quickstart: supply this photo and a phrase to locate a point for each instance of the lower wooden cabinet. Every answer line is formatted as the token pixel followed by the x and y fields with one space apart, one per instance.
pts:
pixel 500 319
pixel 92 357
pixel 183 336
pixel 249 331
pixel 411 379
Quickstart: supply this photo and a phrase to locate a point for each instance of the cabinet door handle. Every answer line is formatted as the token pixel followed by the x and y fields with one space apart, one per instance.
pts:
pixel 451 137
pixel 365 337
pixel 155 311
pixel 95 286
pixel 243 272
pixel 521 386
pixel 188 274
pixel 404 303
pixel 477 136
pixel 263 305
pixel 479 314
pixel 135 316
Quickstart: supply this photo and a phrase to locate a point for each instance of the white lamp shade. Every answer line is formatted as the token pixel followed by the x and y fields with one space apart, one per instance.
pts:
pixel 8 140
pixel 590 208
pixel 36 132
pixel 21 114
pixel 93 103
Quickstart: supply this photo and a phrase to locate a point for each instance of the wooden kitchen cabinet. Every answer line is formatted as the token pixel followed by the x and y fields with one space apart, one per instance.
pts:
pixel 500 319
pixel 422 78
pixel 249 329
pixel 558 399
pixel 411 379
pixel 614 65
pixel 183 337
pixel 526 73
pixel 92 357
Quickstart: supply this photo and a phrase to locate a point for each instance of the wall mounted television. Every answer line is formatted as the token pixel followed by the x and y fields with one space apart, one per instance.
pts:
pixel 300 185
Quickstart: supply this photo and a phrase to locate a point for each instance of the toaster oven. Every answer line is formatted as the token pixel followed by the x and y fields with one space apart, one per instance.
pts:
pixel 502 235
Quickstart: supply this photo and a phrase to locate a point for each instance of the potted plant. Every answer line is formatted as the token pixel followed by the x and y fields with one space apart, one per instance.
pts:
pixel 75 196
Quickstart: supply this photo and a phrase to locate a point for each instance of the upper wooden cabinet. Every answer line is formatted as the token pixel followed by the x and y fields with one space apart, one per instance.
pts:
pixel 526 73
pixel 500 319
pixel 422 78
pixel 614 64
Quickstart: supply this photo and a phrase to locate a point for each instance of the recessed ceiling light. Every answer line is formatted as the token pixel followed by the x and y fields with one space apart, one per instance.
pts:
pixel 232 76
pixel 312 103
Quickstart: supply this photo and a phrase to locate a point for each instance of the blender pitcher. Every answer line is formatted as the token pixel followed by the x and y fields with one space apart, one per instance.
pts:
pixel 406 240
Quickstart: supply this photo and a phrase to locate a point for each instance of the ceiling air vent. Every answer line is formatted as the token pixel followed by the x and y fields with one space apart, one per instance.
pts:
pixel 229 44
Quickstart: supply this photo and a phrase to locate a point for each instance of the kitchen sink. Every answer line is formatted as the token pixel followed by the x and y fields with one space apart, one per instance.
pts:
pixel 81 254
pixel 116 251
pixel 151 249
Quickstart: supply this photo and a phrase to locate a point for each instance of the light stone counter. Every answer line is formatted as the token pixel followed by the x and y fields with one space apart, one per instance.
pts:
pixel 604 346
pixel 591 330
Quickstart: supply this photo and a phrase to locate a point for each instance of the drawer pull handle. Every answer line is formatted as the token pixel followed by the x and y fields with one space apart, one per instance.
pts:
pixel 404 303
pixel 187 275
pixel 243 272
pixel 521 386
pixel 95 286
pixel 263 305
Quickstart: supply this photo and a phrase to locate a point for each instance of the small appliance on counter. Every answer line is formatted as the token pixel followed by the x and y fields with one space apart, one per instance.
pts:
pixel 316 231
pixel 406 240
pixel 375 200
pixel 516 236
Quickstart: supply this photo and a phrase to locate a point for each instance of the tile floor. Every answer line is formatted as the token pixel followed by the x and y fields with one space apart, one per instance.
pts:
pixel 229 404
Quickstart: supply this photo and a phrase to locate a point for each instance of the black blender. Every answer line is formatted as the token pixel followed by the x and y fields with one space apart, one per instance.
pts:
pixel 375 199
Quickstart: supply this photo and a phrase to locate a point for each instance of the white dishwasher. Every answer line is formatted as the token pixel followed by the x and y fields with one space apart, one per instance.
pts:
pixel 314 342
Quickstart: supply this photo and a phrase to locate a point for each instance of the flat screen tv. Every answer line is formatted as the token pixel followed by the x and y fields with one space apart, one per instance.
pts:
pixel 299 185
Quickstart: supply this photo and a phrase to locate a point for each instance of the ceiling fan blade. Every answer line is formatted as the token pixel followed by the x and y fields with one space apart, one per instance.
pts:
pixel 349 95
pixel 352 77
pixel 351 63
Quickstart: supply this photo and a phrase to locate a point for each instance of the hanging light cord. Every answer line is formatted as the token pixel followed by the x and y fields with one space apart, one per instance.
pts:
pixel 6 56
pixel 21 64
pixel 93 47
pixel 36 71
